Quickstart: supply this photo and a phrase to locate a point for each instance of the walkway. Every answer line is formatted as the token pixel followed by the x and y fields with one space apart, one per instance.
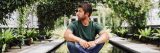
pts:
pixel 37 47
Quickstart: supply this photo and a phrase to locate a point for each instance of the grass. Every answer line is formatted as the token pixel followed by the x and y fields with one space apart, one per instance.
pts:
pixel 59 32
pixel 62 49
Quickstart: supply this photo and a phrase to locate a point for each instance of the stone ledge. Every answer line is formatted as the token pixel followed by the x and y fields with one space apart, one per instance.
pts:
pixel 133 46
pixel 43 48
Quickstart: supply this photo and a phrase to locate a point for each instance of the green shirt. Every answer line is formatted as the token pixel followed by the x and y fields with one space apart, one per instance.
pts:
pixel 87 33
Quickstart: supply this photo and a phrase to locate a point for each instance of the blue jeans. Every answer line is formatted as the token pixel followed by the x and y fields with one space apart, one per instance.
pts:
pixel 77 48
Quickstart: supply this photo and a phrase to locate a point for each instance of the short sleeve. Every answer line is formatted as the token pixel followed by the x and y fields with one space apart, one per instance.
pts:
pixel 98 28
pixel 71 26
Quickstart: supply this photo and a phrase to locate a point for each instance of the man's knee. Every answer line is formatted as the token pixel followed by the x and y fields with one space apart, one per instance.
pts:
pixel 70 44
pixel 97 48
pixel 73 45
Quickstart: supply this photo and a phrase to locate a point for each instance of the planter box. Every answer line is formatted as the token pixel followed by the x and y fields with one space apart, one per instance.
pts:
pixel 28 41
pixel 16 42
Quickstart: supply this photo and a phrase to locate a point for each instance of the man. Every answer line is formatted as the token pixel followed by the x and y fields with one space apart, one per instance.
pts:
pixel 81 35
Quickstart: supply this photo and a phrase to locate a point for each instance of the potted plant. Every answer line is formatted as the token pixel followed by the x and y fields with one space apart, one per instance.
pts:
pixel 48 34
pixel 145 34
pixel 17 40
pixel 1 43
pixel 157 39
pixel 122 32
pixel 28 37
pixel 34 34
pixel 42 35
pixel 6 38
pixel 2 47
pixel 158 33
pixel 136 37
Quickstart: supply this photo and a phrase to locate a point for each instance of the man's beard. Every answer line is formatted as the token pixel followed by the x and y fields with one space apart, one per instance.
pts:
pixel 81 18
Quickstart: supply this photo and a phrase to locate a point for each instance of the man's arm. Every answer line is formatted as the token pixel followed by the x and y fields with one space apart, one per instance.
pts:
pixel 104 36
pixel 69 36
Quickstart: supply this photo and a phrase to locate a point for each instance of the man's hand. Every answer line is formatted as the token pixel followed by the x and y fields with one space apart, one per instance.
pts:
pixel 84 43
pixel 92 44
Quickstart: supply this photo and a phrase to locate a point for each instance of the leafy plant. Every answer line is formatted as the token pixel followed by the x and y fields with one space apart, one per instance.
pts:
pixel 158 33
pixel 1 42
pixel 18 40
pixel 31 33
pixel 146 32
pixel 122 31
pixel 48 33
pixel 133 11
pixel 34 34
pixel 50 10
pixel 8 6
pixel 7 34
pixel 5 38
pixel 30 36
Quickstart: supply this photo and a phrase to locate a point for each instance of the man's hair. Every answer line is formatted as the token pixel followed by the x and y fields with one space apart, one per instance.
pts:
pixel 87 7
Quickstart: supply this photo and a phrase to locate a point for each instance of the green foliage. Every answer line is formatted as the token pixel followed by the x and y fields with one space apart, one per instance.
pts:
pixel 6 36
pixel 159 12
pixel 116 22
pixel 8 6
pixel 133 11
pixel 158 33
pixel 48 11
pixel 1 40
pixel 146 32
pixel 49 33
pixel 159 3
pixel 21 20
pixel 122 31
pixel 19 37
pixel 31 33
pixel 59 22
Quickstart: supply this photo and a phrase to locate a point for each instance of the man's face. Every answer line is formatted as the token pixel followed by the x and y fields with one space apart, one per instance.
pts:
pixel 80 14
